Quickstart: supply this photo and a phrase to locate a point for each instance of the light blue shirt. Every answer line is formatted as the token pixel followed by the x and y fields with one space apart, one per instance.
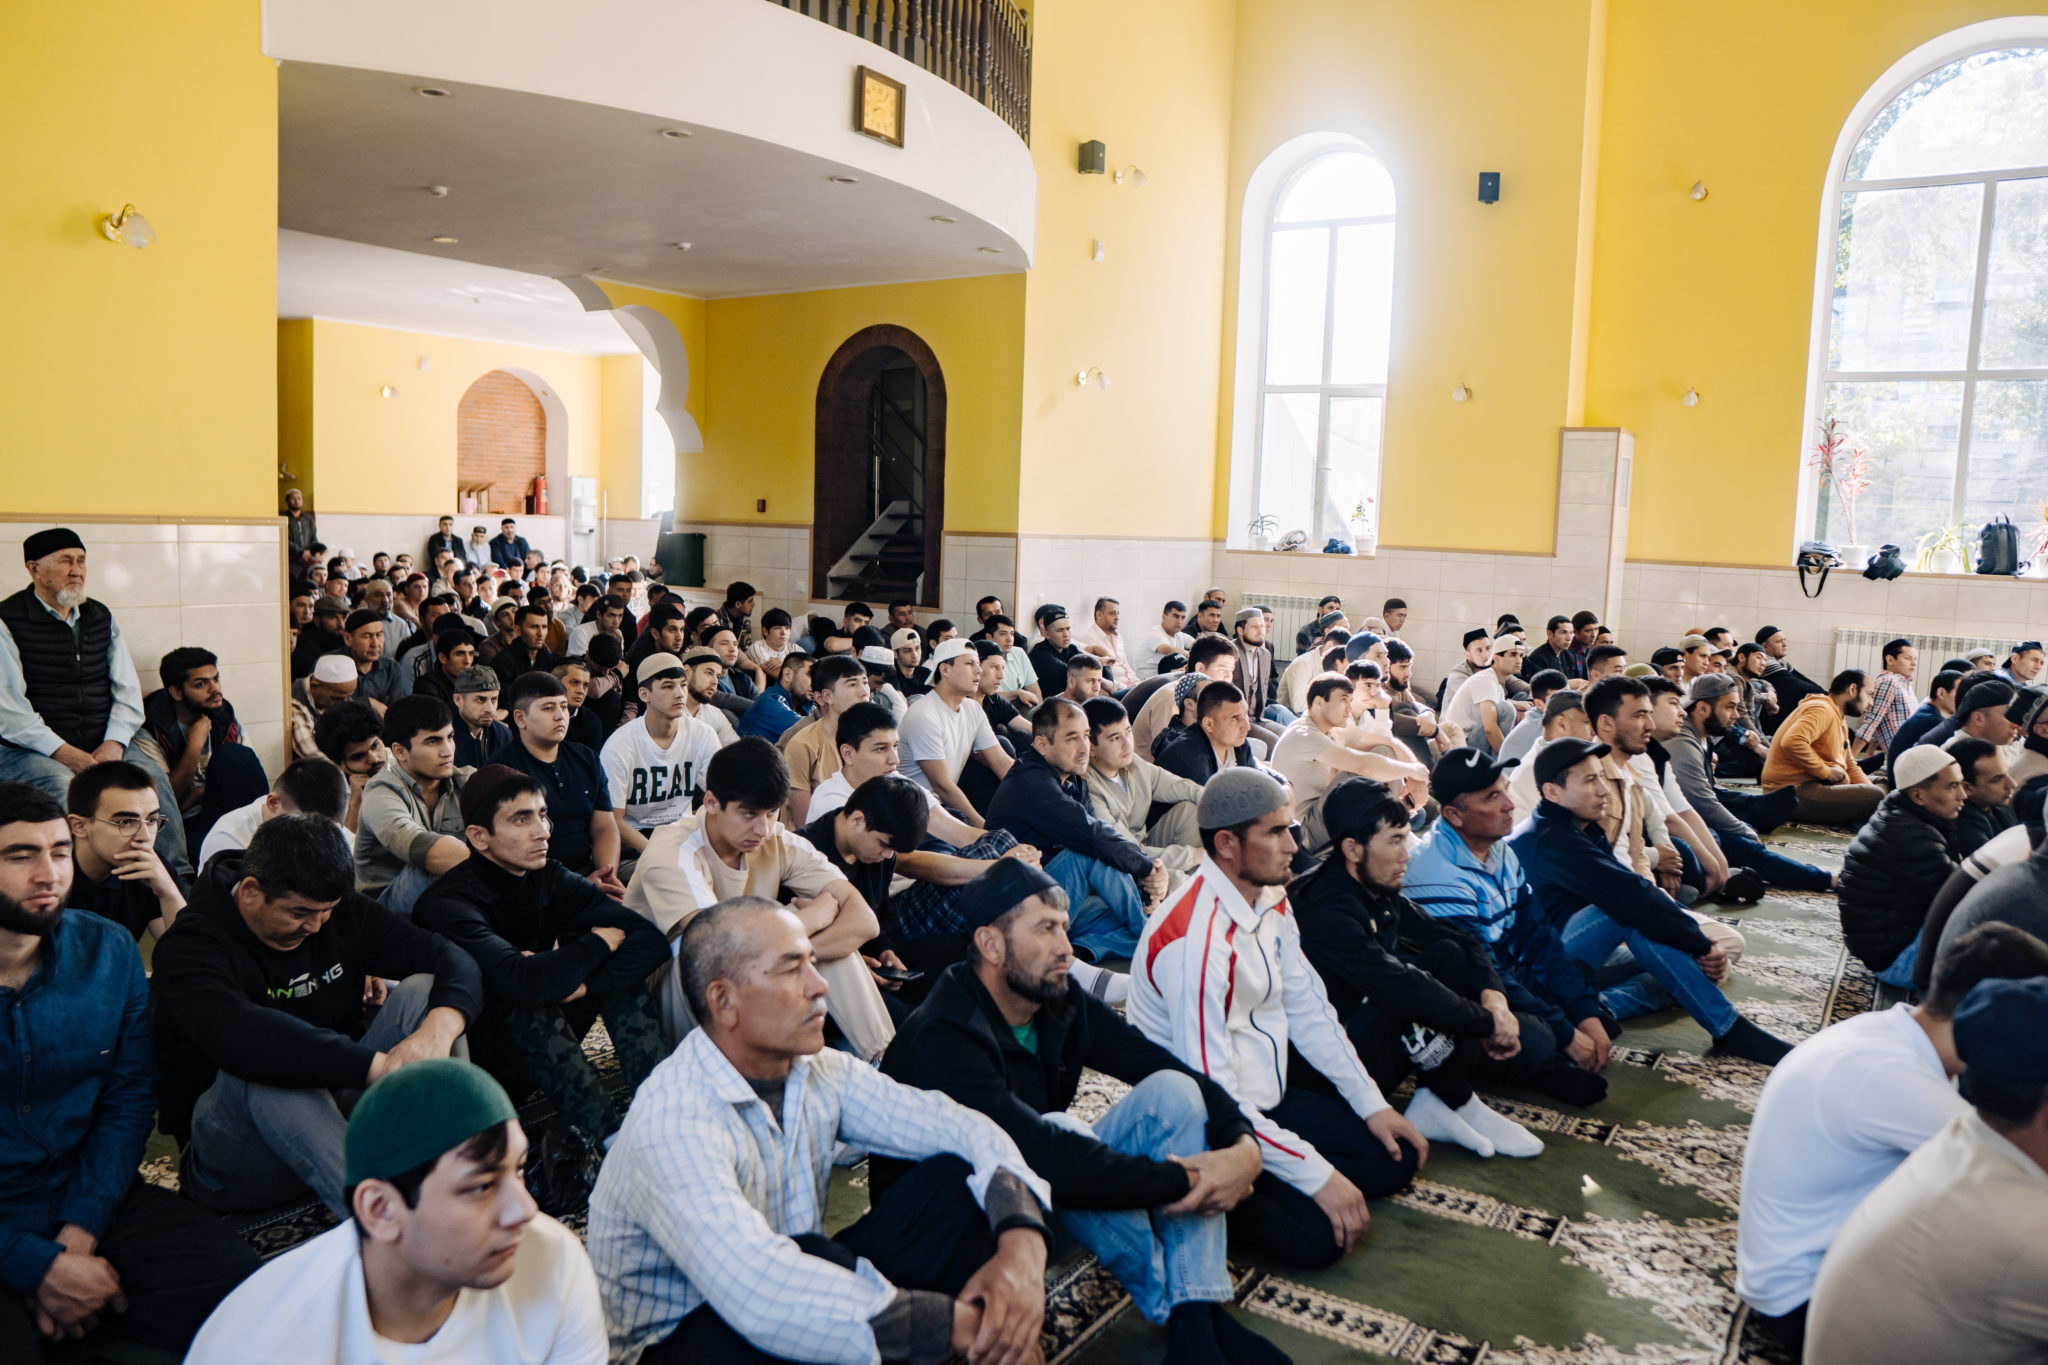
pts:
pixel 24 729
pixel 1523 737
pixel 1449 882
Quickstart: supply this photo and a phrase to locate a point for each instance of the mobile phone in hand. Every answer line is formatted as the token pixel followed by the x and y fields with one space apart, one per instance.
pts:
pixel 897 974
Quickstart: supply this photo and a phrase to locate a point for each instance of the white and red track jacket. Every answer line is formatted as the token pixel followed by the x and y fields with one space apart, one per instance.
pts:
pixel 1223 986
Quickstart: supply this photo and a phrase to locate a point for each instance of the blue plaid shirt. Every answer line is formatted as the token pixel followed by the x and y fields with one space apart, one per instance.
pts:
pixel 705 1188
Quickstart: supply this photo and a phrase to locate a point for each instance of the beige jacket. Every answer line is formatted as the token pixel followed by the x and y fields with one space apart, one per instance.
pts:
pixel 1127 802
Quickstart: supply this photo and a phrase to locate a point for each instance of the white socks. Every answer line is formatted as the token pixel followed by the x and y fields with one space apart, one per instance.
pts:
pixel 1438 1122
pixel 1508 1137
pixel 1112 988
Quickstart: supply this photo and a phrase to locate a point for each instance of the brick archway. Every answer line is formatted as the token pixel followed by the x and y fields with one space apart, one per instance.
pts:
pixel 840 513
pixel 501 438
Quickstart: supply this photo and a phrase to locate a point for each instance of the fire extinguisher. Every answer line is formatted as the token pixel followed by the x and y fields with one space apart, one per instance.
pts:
pixel 540 495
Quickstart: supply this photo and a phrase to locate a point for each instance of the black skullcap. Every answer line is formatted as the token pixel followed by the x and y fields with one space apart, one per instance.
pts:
pixel 1476 633
pixel 998 891
pixel 49 542
pixel 1998 1030
pixel 482 792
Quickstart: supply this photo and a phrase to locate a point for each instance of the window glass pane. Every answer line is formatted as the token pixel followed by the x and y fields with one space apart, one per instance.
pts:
pixel 1341 185
pixel 1365 304
pixel 1297 285
pixel 1911 431
pixel 1287 462
pixel 1984 113
pixel 2016 286
pixel 1354 476
pixel 1905 271
pixel 2008 456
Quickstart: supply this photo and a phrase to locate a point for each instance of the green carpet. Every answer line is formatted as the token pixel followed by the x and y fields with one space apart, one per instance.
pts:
pixel 1617 1244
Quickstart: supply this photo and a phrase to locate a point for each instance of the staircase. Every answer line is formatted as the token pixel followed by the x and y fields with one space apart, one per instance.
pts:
pixel 885 562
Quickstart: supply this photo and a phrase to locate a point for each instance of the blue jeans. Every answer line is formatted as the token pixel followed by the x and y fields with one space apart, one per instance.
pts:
pixel 1639 975
pixel 1775 868
pixel 1106 913
pixel 1280 715
pixel 404 889
pixel 1163 1261
pixel 1900 973
pixel 26 765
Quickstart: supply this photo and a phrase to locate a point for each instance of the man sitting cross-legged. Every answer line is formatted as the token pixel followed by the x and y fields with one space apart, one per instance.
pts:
pixel 734 845
pixel 1842 1111
pixel 410 830
pixel 311 785
pixel 1320 750
pixel 1219 738
pixel 1219 980
pixel 946 728
pixel 1417 994
pixel 1707 714
pixel 1810 753
pixel 706 1227
pixel 116 871
pixel 1650 949
pixel 1148 805
pixel 1146 1186
pixel 87 1248
pixel 259 1014
pixel 555 951
pixel 1109 879
pixel 1899 861
pixel 444 1256
pixel 654 763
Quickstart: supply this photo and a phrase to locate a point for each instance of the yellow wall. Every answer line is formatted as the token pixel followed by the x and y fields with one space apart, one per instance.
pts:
pixel 1750 97
pixel 686 315
pixel 397 455
pixel 766 355
pixel 622 381
pixel 1484 295
pixel 1152 79
pixel 150 372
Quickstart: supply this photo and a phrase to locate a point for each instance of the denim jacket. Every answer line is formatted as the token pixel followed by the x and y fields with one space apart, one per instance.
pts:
pixel 77 1091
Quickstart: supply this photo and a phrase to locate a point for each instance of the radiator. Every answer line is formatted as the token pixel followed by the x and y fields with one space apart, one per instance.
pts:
pixel 1290 614
pixel 1864 649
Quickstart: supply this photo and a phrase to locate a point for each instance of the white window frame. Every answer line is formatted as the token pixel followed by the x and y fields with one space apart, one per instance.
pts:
pixel 1263 195
pixel 1915 66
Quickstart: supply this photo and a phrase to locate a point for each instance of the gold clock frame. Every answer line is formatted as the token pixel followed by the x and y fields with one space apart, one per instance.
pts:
pixel 868 82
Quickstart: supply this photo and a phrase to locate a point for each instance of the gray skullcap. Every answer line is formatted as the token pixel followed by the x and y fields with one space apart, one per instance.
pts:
pixel 1708 686
pixel 1691 642
pixel 1245 614
pixel 1237 796
pixel 475 678
pixel 1561 701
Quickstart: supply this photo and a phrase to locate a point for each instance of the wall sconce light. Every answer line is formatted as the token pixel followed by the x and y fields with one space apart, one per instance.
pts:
pixel 1092 375
pixel 128 227
pixel 1699 190
pixel 1690 398
pixel 1098 250
pixel 387 392
pixel 1460 394
pixel 1131 173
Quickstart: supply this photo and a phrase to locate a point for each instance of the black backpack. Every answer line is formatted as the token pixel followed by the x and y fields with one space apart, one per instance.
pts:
pixel 1998 547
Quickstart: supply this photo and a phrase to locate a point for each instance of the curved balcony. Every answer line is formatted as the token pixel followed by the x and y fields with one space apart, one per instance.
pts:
pixel 980 46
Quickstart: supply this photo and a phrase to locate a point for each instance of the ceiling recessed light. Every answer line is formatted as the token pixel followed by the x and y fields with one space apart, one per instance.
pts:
pixel 432 92
pixel 942 218
pixel 683 246
pixel 675 132
pixel 443 241
pixel 991 250
pixel 844 180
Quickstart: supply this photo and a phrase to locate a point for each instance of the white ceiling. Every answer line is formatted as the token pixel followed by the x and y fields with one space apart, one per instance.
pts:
pixel 554 187
pixel 325 277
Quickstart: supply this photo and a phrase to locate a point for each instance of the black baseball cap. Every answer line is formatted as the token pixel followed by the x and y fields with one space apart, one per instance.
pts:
pixel 1561 754
pixel 1464 770
pixel 1665 657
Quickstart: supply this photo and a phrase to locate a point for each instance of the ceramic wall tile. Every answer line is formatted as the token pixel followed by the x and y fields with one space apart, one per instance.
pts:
pixel 237 634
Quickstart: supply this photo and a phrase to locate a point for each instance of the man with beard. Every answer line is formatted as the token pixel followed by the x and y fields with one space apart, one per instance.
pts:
pixel 90 1248
pixel 1145 1187
pixel 189 730
pixel 702 671
pixel 1810 753
pixel 1707 713
pixel 1225 987
pixel 69 697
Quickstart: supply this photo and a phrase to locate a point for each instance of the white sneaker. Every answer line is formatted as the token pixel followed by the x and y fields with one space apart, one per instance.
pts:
pixel 1112 988
pixel 1508 1137
pixel 1439 1122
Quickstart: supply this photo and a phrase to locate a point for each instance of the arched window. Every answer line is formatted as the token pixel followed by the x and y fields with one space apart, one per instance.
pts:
pixel 1935 355
pixel 1315 317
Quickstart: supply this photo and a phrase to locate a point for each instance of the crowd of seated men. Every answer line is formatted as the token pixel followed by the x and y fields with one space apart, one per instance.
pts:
pixel 840 888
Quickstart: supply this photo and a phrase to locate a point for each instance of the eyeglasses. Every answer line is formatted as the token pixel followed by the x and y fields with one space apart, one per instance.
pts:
pixel 129 824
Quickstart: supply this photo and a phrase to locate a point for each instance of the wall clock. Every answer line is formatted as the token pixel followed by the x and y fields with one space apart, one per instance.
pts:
pixel 878 106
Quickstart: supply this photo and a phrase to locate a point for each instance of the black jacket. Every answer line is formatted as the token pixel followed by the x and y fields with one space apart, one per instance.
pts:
pixel 1792 687
pixel 1353 936
pixel 1542 657
pixel 959 1044
pixel 509 553
pixel 1570 865
pixel 516 659
pixel 1890 876
pixel 531 935
pixel 220 1000
pixel 1191 755
pixel 1979 825
pixel 1052 813
pixel 1051 666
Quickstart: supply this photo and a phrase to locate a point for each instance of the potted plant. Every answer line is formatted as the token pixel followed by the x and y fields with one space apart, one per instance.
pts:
pixel 1364 530
pixel 1946 550
pixel 1844 474
pixel 1261 529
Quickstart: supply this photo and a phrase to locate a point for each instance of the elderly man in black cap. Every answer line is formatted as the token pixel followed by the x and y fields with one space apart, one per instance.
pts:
pixel 69 696
pixel 1945 1259
pixel 1147 1186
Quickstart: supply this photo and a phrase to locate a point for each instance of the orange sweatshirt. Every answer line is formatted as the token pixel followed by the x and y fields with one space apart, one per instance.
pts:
pixel 1814 738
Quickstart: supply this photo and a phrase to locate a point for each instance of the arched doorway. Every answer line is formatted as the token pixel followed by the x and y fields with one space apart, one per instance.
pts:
pixel 501 441
pixel 879 506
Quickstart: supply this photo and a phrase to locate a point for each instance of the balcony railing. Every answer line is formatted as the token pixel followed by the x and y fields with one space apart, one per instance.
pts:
pixel 980 46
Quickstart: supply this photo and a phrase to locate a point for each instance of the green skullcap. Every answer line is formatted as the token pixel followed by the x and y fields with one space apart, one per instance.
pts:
pixel 417 1114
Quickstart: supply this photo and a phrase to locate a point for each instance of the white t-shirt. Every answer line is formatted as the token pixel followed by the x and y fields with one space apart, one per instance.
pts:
pixel 835 791
pixel 309 1307
pixel 1298 758
pixel 1148 666
pixel 580 637
pixel 1836 1117
pixel 1462 709
pixel 768 656
pixel 934 730
pixel 720 723
pixel 232 831
pixel 653 785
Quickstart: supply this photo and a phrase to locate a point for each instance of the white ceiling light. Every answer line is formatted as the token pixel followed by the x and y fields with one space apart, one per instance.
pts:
pixel 683 246
pixel 438 191
pixel 444 241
